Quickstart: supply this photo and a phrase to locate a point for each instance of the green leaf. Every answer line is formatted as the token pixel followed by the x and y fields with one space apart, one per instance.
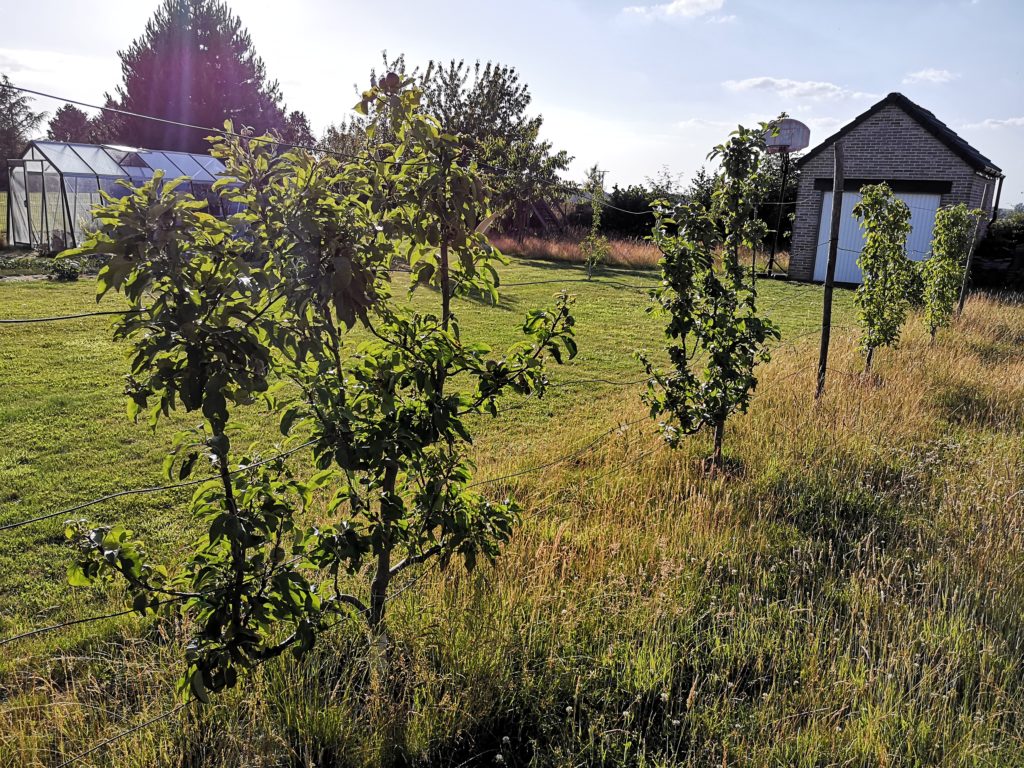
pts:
pixel 288 419
pixel 77 576
pixel 198 687
pixel 187 465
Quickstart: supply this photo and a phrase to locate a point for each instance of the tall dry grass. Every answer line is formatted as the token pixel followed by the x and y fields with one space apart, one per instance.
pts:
pixel 630 254
pixel 623 253
pixel 849 595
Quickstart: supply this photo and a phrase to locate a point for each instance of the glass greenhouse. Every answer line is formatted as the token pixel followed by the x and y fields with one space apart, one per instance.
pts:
pixel 55 185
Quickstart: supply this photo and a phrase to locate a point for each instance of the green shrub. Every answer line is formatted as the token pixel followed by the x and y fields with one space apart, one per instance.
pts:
pixel 65 270
pixel 999 261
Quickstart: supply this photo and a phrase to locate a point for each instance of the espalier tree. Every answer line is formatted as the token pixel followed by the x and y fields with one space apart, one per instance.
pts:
pixel 260 307
pixel 883 296
pixel 717 336
pixel 595 245
pixel 943 272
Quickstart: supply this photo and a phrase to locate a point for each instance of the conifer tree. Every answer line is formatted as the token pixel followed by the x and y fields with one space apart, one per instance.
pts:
pixel 18 122
pixel 194 63
pixel 69 123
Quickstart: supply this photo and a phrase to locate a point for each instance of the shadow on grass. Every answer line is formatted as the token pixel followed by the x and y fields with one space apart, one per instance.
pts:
pixel 842 512
pixel 604 270
pixel 968 404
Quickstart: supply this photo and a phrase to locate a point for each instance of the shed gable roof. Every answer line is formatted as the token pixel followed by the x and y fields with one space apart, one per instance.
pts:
pixel 928 121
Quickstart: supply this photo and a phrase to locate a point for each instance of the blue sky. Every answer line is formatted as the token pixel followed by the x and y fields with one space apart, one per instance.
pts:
pixel 629 84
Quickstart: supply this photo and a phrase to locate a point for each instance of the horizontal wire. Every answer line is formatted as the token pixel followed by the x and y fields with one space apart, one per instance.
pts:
pixel 100 617
pixel 560 459
pixel 75 622
pixel 128 732
pixel 151 489
pixel 163 716
pixel 195 127
pixel 57 318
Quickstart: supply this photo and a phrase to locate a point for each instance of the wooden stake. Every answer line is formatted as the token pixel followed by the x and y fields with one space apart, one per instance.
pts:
pixel 967 266
pixel 830 272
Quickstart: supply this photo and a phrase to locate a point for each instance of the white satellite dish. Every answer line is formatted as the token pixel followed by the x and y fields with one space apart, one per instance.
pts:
pixel 792 136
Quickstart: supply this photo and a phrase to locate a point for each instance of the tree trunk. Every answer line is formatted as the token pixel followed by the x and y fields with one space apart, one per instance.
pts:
pixel 238 561
pixel 382 575
pixel 522 215
pixel 379 590
pixel 867 362
pixel 717 460
pixel 446 286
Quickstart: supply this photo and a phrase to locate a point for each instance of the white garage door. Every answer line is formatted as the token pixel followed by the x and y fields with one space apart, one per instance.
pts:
pixel 851 237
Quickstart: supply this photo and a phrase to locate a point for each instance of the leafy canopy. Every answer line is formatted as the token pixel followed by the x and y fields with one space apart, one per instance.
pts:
pixel 943 272
pixel 487 107
pixel 260 307
pixel 69 123
pixel 717 336
pixel 883 296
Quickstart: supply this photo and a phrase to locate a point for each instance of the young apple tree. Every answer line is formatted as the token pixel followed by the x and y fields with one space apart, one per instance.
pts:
pixel 942 273
pixel 717 336
pixel 595 245
pixel 883 297
pixel 260 307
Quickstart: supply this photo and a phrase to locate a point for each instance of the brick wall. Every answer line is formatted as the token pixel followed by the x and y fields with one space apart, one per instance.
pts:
pixel 888 145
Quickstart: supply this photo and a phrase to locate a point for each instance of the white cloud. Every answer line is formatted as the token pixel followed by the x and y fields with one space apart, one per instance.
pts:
pixel 930 75
pixel 814 90
pixel 823 126
pixel 722 18
pixel 700 122
pixel 69 75
pixel 1007 122
pixel 675 9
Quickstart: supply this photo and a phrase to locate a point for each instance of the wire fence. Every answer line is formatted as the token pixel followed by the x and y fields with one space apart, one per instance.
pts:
pixel 588 447
pixel 782 307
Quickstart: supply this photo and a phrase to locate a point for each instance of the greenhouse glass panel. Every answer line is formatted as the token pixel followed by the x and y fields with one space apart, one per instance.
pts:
pixel 63 158
pixel 158 161
pixel 114 187
pixel 53 199
pixel 38 225
pixel 190 166
pixel 97 158
pixel 83 195
pixel 19 231
pixel 138 175
pixel 213 166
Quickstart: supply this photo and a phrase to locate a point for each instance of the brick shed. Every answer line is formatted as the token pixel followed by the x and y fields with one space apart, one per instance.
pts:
pixel 897 141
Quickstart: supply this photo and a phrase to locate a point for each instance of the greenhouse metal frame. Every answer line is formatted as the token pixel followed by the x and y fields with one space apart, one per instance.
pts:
pixel 55 185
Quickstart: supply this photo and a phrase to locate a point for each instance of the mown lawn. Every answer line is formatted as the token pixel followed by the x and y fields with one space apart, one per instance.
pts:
pixel 847 596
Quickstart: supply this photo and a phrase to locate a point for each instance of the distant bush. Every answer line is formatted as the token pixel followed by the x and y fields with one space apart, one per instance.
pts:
pixel 65 270
pixel 636 199
pixel 22 263
pixel 999 261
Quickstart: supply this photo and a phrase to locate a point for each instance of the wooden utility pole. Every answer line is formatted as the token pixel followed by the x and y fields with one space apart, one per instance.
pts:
pixel 830 272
